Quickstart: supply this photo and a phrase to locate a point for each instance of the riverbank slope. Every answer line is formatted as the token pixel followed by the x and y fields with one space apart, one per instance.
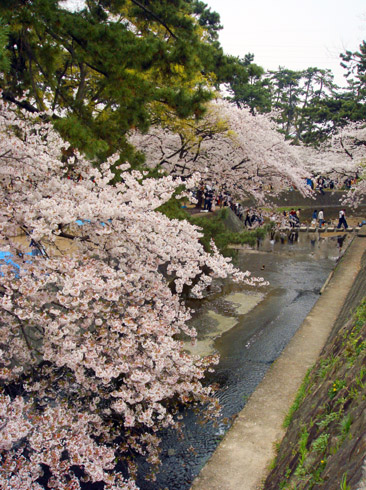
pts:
pixel 242 460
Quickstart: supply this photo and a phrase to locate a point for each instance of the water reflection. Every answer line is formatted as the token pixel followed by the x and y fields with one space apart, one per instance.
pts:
pixel 210 325
pixel 305 242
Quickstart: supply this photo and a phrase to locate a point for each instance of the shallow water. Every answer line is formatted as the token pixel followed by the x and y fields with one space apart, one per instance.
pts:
pixel 249 328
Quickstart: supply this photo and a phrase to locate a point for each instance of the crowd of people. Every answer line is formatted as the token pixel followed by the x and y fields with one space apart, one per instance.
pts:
pixel 208 199
pixel 320 183
pixel 317 218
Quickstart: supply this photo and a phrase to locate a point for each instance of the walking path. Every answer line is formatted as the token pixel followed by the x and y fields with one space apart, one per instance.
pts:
pixel 242 459
pixel 324 229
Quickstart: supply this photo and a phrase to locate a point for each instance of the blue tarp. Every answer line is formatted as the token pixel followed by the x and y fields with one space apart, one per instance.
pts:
pixel 5 258
pixel 81 222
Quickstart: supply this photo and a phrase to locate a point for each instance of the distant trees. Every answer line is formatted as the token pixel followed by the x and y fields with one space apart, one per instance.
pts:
pixel 297 95
pixel 248 87
pixel 355 94
pixel 311 107
pixel 304 103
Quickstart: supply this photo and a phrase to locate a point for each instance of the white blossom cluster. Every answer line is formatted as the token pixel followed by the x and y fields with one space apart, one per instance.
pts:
pixel 88 335
pixel 230 147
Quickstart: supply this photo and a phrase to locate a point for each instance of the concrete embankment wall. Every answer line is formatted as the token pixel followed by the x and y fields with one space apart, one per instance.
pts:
pixel 354 296
pixel 330 201
pixel 325 444
pixel 294 198
pixel 241 461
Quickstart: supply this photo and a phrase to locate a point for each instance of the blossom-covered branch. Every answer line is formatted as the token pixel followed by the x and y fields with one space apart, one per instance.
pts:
pixel 90 365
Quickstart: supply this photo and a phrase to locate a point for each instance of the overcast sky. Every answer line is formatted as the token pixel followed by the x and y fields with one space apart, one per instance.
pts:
pixel 295 34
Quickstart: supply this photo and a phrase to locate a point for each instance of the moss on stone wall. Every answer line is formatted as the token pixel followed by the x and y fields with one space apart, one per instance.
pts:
pixel 325 443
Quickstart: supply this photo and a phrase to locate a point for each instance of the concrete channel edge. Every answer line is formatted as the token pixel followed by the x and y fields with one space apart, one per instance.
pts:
pixel 242 459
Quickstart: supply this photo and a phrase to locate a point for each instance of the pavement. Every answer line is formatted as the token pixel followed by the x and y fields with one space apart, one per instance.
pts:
pixel 242 459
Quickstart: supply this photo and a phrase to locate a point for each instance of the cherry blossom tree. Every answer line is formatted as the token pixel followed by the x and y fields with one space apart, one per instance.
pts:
pixel 231 146
pixel 342 156
pixel 247 155
pixel 90 363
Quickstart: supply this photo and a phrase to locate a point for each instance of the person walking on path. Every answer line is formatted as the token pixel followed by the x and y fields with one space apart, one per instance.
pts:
pixel 199 196
pixel 342 219
pixel 293 219
pixel 321 183
pixel 298 214
pixel 321 218
pixel 247 218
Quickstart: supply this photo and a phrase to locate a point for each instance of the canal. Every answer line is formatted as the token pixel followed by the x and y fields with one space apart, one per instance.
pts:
pixel 249 328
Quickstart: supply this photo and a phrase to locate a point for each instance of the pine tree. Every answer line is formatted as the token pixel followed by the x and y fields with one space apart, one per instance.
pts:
pixel 111 67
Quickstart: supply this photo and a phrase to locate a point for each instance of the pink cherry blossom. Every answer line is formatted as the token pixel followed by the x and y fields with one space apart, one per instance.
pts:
pixel 230 147
pixel 89 326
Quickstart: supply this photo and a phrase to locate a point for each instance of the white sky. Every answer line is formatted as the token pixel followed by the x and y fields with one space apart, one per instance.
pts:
pixel 295 34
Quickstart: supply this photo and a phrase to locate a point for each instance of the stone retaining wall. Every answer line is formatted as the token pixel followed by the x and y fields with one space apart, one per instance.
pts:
pixel 242 460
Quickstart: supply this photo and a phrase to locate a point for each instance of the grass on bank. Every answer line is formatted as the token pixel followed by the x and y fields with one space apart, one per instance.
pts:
pixel 213 227
pixel 335 389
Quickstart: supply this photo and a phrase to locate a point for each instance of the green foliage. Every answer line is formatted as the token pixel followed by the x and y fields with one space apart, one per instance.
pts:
pixel 207 19
pixel 173 210
pixel 360 379
pixel 214 228
pixel 325 365
pixel 303 441
pixel 334 417
pixel 344 485
pixel 355 342
pixel 320 443
pixel 4 55
pixel 299 97
pixel 327 419
pixel 360 315
pixel 345 425
pixel 336 387
pixel 355 66
pixel 301 394
pixel 335 107
pixel 103 78
pixel 247 84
